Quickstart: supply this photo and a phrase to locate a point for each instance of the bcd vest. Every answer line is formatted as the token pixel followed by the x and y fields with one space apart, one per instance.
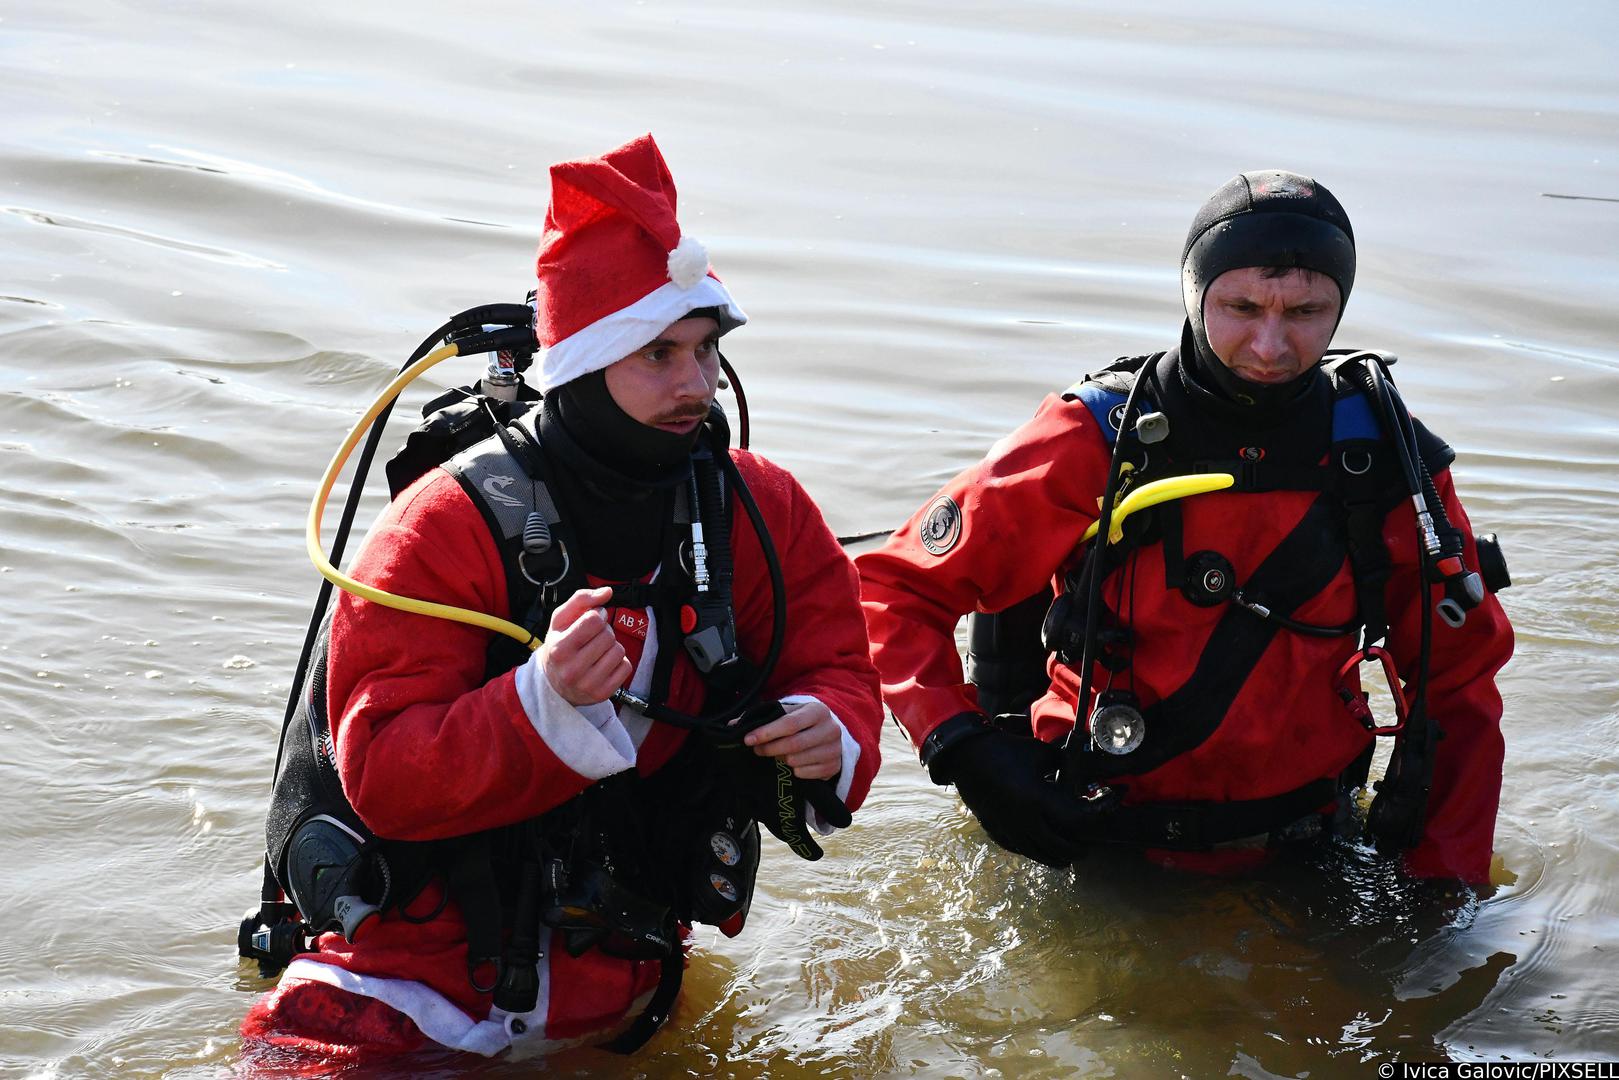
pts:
pixel 1357 485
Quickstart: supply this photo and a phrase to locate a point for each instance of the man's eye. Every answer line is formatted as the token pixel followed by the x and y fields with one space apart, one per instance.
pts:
pixel 656 356
pixel 707 348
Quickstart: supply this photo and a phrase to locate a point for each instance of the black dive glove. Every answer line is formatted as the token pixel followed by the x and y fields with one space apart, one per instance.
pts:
pixel 773 793
pixel 1007 782
pixel 778 797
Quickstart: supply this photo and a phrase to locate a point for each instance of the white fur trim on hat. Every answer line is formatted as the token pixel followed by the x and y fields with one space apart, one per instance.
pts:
pixel 613 337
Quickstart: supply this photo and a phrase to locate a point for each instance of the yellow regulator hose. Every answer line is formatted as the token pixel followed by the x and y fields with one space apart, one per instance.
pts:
pixel 1159 491
pixel 317 509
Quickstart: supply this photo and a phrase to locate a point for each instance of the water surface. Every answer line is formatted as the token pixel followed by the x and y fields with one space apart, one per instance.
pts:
pixel 226 224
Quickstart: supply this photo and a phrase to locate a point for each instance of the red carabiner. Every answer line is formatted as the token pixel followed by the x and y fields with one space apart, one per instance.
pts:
pixel 1354 698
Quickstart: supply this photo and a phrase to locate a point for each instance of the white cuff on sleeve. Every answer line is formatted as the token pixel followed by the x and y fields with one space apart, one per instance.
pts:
pixel 590 740
pixel 850 752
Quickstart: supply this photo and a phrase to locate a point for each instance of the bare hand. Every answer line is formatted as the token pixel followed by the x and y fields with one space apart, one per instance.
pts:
pixel 807 738
pixel 582 660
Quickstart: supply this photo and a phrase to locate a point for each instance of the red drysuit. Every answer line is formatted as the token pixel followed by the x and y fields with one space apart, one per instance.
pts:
pixel 1022 511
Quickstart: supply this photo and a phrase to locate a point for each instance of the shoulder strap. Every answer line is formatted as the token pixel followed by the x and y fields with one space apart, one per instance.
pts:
pixel 1104 392
pixel 505 477
pixel 1359 471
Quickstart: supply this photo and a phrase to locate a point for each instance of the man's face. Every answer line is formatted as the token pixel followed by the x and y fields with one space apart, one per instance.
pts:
pixel 1270 329
pixel 670 381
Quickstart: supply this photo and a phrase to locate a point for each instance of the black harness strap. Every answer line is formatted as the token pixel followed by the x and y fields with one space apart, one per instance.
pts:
pixel 470 880
pixel 1172 532
pixel 1364 514
pixel 657 1011
pixel 1297 570
pixel 1253 476
pixel 1195 826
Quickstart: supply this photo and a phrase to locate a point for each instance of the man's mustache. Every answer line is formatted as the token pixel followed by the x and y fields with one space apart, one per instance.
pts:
pixel 681 417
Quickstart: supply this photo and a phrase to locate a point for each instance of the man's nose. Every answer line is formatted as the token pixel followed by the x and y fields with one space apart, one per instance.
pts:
pixel 692 379
pixel 1269 341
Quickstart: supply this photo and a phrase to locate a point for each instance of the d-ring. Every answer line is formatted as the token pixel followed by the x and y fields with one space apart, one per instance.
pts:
pixel 1350 469
pixel 567 563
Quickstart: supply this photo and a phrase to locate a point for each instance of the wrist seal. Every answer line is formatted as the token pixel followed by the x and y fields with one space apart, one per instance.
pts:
pixel 954 731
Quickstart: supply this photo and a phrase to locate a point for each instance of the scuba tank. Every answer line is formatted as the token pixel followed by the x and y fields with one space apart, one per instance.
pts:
pixel 318 852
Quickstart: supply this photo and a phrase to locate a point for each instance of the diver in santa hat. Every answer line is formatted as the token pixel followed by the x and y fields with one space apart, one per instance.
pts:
pixel 499 845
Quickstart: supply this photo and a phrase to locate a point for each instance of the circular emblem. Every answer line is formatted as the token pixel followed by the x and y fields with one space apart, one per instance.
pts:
pixel 1209 578
pixel 725 848
pixel 941 526
pixel 1252 453
pixel 1115 417
pixel 724 886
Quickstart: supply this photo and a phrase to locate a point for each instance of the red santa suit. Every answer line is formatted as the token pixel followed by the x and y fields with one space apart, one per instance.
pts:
pixel 1277 723
pixel 427 750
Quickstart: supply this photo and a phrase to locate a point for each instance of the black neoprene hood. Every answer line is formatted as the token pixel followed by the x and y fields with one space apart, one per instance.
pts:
pixel 1271 218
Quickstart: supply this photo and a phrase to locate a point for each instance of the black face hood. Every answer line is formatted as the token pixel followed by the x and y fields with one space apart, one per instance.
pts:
pixel 609 445
pixel 1267 219
pixel 614 476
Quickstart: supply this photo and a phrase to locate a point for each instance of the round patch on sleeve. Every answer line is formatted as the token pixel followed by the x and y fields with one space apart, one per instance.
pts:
pixel 941 527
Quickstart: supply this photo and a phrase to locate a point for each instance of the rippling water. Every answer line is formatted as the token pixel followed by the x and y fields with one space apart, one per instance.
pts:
pixel 225 225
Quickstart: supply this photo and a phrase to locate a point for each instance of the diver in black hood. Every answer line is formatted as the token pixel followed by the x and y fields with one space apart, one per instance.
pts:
pixel 1272 521
pixel 1265 227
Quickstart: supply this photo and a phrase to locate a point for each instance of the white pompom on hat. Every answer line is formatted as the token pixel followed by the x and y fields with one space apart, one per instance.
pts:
pixel 613 268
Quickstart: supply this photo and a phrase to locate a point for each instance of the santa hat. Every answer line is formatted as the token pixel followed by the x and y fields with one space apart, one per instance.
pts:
pixel 613 267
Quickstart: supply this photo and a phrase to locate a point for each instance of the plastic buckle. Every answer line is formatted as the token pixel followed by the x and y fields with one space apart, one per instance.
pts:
pixel 1354 698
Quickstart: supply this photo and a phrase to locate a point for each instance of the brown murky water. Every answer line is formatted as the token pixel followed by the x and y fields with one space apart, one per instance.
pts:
pixel 226 224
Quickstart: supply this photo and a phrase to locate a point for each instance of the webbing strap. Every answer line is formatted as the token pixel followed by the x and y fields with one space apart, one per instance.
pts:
pixel 471 882
pixel 1192 826
pixel 658 1009
pixel 1256 476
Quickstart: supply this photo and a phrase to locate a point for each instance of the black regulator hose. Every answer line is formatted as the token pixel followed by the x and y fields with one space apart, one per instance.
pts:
pixel 778 588
pixel 1072 746
pixel 741 401
pixel 716 602
pixel 1400 807
pixel 778 624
